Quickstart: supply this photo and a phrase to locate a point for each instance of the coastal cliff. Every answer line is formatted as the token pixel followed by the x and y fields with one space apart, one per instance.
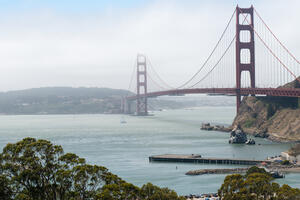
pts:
pixel 277 118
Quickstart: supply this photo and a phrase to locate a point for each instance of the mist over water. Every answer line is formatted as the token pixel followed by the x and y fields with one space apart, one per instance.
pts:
pixel 125 148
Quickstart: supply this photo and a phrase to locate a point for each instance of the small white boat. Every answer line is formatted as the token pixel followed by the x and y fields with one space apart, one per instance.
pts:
pixel 123 121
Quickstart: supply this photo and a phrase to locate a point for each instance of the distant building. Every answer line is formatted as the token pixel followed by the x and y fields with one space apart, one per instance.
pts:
pixel 293 155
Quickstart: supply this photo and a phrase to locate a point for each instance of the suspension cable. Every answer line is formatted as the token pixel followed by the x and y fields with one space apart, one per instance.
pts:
pixel 270 50
pixel 288 51
pixel 245 17
pixel 213 51
pixel 159 77
pixel 157 84
pixel 131 79
pixel 216 63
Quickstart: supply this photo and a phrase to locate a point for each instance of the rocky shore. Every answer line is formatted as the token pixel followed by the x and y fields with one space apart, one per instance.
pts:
pixel 209 127
pixel 275 118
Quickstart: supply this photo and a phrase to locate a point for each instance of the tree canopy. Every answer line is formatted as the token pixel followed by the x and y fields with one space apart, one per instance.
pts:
pixel 256 184
pixel 34 169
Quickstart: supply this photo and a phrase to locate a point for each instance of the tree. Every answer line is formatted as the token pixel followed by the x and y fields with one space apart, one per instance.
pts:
pixel 122 191
pixel 30 166
pixel 255 185
pixel 233 188
pixel 287 193
pixel 38 170
pixel 5 190
pixel 259 185
pixel 152 192
pixel 256 169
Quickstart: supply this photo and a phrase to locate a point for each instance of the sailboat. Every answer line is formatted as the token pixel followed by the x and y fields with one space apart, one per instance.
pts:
pixel 123 121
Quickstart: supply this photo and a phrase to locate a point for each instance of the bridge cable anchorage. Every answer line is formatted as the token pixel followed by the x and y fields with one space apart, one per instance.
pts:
pixel 270 50
pixel 210 55
pixel 288 51
pixel 159 77
pixel 220 59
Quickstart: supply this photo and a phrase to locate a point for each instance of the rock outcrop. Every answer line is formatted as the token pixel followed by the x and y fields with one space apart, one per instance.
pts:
pixel 277 118
pixel 237 136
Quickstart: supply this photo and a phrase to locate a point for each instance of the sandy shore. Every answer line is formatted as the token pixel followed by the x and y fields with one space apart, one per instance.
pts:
pixel 290 170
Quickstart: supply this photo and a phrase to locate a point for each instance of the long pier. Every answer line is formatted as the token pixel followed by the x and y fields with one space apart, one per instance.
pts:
pixel 196 158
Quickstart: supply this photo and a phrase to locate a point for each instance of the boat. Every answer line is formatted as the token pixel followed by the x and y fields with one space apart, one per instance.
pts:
pixel 123 121
pixel 250 142
pixel 276 174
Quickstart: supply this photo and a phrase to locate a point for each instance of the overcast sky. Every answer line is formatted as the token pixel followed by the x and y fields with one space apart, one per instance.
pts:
pixel 93 43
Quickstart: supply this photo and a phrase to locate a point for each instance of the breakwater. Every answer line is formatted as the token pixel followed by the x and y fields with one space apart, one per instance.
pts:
pixel 217 171
pixel 196 158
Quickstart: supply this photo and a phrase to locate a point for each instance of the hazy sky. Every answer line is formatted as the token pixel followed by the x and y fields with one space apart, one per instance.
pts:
pixel 94 43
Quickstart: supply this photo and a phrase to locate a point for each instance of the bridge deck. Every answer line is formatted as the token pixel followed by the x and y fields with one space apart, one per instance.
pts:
pixel 289 92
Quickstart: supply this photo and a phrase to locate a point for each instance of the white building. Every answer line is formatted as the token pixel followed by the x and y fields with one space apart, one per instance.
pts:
pixel 292 158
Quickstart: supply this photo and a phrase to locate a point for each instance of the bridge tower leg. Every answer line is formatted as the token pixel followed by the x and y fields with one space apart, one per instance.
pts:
pixel 122 107
pixel 127 106
pixel 242 45
pixel 141 104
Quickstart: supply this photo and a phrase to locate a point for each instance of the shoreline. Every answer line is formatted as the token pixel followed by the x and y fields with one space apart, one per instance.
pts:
pixel 282 169
pixel 226 129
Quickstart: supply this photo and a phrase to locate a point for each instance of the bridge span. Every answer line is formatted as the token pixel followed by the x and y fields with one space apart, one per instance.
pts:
pixel 237 65
pixel 287 92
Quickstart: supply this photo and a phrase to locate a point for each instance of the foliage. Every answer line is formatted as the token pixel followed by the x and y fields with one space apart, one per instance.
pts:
pixel 255 185
pixel 279 102
pixel 287 193
pixel 152 192
pixel 270 111
pixel 38 170
pixel 285 162
pixel 249 123
pixel 255 169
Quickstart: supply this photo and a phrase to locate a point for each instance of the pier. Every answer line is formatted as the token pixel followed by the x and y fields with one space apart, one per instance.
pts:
pixel 196 158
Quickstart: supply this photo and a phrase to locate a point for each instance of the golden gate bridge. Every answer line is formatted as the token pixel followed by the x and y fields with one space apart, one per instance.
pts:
pixel 248 59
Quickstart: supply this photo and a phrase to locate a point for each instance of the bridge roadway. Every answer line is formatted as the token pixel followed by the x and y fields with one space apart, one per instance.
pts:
pixel 287 92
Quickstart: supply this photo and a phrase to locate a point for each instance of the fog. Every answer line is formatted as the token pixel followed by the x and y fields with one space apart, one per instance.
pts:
pixel 47 45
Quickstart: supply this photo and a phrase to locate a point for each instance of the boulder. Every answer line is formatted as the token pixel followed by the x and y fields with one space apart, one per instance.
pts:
pixel 237 136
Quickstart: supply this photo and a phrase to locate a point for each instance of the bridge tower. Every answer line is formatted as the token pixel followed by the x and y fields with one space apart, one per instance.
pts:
pixel 141 104
pixel 247 46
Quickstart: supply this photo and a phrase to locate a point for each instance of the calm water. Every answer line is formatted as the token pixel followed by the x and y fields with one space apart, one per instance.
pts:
pixel 125 148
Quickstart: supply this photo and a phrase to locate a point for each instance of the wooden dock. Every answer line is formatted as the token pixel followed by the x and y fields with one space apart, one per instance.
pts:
pixel 195 158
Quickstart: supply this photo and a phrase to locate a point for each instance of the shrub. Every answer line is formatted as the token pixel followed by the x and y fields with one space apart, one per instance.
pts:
pixel 249 123
pixel 285 162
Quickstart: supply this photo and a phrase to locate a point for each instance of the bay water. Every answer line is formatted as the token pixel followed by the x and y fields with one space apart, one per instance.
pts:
pixel 125 148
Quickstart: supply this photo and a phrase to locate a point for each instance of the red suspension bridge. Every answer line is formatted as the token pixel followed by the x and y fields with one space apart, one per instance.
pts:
pixel 258 64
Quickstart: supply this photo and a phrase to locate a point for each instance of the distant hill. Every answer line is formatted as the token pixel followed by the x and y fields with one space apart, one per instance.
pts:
pixel 68 100
pixel 61 100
